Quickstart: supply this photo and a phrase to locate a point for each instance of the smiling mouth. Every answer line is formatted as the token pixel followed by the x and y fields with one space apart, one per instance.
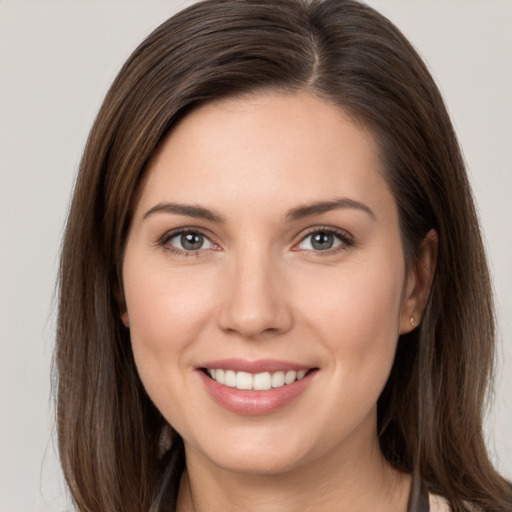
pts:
pixel 263 381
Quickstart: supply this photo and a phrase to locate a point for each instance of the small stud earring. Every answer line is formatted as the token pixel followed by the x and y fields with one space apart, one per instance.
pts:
pixel 411 321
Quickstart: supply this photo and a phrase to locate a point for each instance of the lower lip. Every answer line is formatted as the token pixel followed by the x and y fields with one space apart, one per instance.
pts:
pixel 253 403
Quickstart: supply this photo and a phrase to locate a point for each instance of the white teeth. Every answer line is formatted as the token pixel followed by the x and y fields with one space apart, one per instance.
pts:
pixel 257 382
pixel 230 378
pixel 290 377
pixel 277 379
pixel 243 380
pixel 220 376
pixel 262 381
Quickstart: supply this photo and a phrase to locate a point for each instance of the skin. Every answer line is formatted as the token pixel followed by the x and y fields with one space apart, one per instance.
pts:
pixel 258 289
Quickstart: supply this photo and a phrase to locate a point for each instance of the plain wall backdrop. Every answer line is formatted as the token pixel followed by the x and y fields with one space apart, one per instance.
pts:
pixel 57 59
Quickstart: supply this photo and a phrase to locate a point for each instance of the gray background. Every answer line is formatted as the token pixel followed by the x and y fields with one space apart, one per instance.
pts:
pixel 57 59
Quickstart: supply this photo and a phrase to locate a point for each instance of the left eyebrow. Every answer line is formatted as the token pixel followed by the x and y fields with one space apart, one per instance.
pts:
pixel 188 210
pixel 310 210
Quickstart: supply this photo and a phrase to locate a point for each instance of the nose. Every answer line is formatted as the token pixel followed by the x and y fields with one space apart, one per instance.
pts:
pixel 255 298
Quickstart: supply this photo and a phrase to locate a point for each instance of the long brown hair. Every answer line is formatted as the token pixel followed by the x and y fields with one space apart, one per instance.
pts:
pixel 430 412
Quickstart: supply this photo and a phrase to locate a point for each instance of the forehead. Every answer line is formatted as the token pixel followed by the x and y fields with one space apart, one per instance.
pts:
pixel 268 147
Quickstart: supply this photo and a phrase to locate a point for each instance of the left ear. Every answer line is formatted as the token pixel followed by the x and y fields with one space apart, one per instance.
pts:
pixel 418 283
pixel 121 303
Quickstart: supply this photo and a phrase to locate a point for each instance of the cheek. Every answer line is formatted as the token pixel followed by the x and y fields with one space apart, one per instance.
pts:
pixel 359 331
pixel 360 298
pixel 357 318
pixel 167 311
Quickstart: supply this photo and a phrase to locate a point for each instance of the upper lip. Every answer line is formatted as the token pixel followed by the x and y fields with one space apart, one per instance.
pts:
pixel 255 366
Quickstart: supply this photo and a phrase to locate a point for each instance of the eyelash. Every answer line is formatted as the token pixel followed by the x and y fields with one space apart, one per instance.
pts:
pixel 346 240
pixel 163 241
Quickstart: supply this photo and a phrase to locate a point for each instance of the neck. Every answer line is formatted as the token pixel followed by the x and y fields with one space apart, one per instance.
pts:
pixel 345 478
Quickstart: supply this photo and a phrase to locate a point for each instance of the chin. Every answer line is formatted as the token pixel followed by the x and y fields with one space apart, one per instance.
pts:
pixel 255 455
pixel 269 464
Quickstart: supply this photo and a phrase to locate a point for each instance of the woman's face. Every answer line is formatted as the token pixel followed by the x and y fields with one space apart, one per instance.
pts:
pixel 265 250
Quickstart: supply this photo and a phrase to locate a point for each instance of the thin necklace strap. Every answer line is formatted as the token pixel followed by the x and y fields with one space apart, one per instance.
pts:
pixel 418 499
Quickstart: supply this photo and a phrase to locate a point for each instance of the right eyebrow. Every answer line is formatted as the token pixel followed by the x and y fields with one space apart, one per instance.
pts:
pixel 188 210
pixel 310 210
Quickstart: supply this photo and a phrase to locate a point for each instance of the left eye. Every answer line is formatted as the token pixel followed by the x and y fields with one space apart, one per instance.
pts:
pixel 321 241
pixel 189 241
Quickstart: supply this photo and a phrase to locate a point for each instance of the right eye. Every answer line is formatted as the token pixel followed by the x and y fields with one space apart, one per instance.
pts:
pixel 321 241
pixel 187 241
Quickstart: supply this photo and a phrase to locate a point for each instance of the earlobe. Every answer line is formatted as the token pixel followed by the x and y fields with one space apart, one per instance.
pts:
pixel 119 295
pixel 418 284
pixel 126 319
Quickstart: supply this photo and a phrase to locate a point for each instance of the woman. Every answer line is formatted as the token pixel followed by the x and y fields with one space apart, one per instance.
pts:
pixel 273 292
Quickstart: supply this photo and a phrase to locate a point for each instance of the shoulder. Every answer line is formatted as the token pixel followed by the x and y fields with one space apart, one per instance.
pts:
pixel 440 504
